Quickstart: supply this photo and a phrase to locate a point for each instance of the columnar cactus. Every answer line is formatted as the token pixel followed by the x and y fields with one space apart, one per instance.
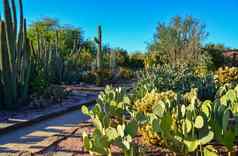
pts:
pixel 99 51
pixel 47 59
pixel 14 55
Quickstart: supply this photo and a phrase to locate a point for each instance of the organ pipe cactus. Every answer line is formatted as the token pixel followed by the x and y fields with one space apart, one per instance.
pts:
pixel 14 55
pixel 47 59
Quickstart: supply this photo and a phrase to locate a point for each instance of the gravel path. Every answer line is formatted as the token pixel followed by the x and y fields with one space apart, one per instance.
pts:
pixel 35 137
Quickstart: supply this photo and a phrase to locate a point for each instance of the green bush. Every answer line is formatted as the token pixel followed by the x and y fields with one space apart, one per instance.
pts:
pixel 180 79
pixel 38 84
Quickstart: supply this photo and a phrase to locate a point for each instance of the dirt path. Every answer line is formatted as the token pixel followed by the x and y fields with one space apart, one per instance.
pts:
pixel 36 137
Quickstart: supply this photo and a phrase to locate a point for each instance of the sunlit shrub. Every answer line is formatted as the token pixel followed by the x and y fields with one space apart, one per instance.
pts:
pixel 150 99
pixel 227 75
pixel 180 79
pixel 125 73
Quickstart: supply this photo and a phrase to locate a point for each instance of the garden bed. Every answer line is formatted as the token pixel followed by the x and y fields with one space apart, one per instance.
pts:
pixel 73 146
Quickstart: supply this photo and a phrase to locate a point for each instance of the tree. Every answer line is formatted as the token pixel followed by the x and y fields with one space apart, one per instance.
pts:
pixel 179 41
pixel 216 53
pixel 121 56
pixel 44 28
pixel 69 38
pixel 136 60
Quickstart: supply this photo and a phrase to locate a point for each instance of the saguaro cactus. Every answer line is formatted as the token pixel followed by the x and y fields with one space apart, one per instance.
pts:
pixel 98 40
pixel 14 55
pixel 99 50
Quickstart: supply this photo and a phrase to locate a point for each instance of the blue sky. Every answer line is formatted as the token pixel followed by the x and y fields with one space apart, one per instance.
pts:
pixel 130 24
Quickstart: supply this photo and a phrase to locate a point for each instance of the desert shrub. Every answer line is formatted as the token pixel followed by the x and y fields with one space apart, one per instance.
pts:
pixel 53 94
pixel 150 99
pixel 38 84
pixel 124 73
pixel 148 136
pixel 180 79
pixel 227 75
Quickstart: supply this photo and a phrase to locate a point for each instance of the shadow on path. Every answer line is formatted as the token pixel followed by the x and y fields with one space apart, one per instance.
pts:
pixel 32 137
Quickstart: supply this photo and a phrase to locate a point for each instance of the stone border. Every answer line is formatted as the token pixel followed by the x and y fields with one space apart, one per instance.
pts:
pixel 45 117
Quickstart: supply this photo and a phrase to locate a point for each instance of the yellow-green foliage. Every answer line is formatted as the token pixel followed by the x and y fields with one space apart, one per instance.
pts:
pixel 191 97
pixel 146 103
pixel 125 73
pixel 200 71
pixel 148 136
pixel 227 75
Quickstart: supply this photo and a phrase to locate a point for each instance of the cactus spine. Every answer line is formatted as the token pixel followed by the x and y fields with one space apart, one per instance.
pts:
pixel 14 55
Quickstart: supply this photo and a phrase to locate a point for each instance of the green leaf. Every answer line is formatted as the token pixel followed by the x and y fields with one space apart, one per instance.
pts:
pixel 111 134
pixel 126 100
pixel 97 109
pixel 221 91
pixel 225 119
pixel 206 139
pixel 187 126
pixel 120 130
pixel 166 122
pixel 159 109
pixel 236 89
pixel 156 125
pixel 231 95
pixel 86 141
pixel 223 100
pixel 97 124
pixel 199 122
pixel 127 142
pixel 141 118
pixel 191 145
pixel 228 139
pixel 100 143
pixel 206 108
pixel 131 128
pixel 209 150
pixel 85 110
pixel 183 110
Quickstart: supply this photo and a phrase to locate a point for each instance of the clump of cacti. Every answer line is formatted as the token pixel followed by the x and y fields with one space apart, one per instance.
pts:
pixel 47 59
pixel 15 51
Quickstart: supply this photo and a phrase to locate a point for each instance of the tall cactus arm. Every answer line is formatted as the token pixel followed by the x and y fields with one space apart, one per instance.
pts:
pixel 1 45
pixel 9 30
pixel 14 17
pixel 5 68
pixel 20 34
